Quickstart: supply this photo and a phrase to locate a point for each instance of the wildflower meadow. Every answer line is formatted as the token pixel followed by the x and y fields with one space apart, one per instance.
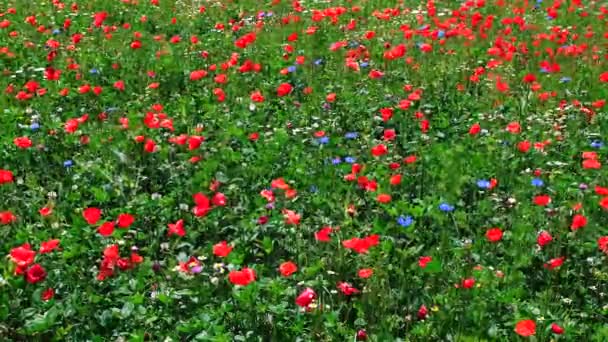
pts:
pixel 303 170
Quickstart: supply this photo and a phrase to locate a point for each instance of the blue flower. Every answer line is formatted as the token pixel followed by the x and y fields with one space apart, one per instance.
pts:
pixel 441 34
pixel 319 61
pixel 364 64
pixel 313 188
pixel 537 182
pixel 323 140
pixel 94 71
pixel 350 160
pixel 565 79
pixel 34 126
pixel 68 163
pixel 56 31
pixel 405 221
pixel 597 144
pixel 336 161
pixel 544 70
pixel 446 207
pixel 484 184
pixel 351 135
pixel 291 68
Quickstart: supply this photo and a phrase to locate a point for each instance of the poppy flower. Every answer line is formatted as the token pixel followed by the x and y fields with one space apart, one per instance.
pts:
pixel 23 142
pixel 6 176
pixel 49 246
pixel 242 277
pixel 91 215
pixel 554 263
pixel 578 221
pixel 525 328
pixel 106 229
pixel 542 200
pixel 347 289
pixel 422 312
pixel 7 217
pixel 558 330
pixel 46 211
pixel 284 89
pixel 47 294
pixel 323 234
pixel 544 238
pixel 602 243
pixel 361 245
pixel 288 268
pixel 35 274
pixel 424 260
pixel 306 297
pixel 176 228
pixel 222 249
pixel 468 283
pixel 494 234
pixel 125 220
pixel 365 273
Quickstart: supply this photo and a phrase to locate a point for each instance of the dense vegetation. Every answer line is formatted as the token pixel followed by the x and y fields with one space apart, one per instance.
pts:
pixel 303 170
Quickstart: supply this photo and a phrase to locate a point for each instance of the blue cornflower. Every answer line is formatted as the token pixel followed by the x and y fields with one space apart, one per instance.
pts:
pixel 34 126
pixel 350 160
pixel 405 221
pixel 68 163
pixel 56 31
pixel 446 207
pixel 319 61
pixel 537 182
pixel 565 79
pixel 336 161
pixel 597 144
pixel 269 14
pixel 323 140
pixel 544 70
pixel 94 71
pixel 364 64
pixel 440 34
pixel 351 135
pixel 291 68
pixel 483 183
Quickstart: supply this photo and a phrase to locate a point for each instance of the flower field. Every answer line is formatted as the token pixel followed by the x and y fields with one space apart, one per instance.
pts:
pixel 283 170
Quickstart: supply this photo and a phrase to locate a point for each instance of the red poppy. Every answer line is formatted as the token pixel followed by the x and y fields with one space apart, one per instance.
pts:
pixel 365 273
pixel 291 217
pixel 494 234
pixel 288 268
pixel 602 243
pixel 125 220
pixel 361 245
pixel 578 221
pixel 176 228
pixel 422 312
pixel 106 229
pixel 424 260
pixel 5 176
pixel 46 211
pixel 284 89
pixel 323 234
pixel 347 289
pixel 525 328
pixel 35 274
pixel 7 217
pixel 558 330
pixel 243 277
pixel 306 297
pixel 384 198
pixel 544 238
pixel 222 249
pixel 542 200
pixel 47 294
pixel 379 150
pixel 91 215
pixel 49 246
pixel 468 283
pixel 475 129
pixel 23 142
pixel 554 263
